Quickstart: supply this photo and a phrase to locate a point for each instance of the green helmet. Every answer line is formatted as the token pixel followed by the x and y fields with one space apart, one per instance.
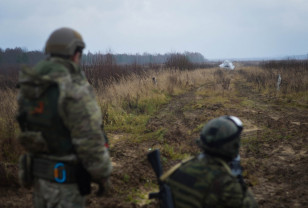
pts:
pixel 64 42
pixel 221 137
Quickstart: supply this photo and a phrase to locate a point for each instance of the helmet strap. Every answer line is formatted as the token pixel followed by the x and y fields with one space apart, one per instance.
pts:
pixel 218 143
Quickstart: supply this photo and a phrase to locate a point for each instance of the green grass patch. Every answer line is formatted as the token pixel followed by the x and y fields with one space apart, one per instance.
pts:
pixel 126 178
pixel 156 135
pixel 121 121
pixel 204 92
pixel 248 103
pixel 140 197
pixel 144 105
pixel 172 153
pixel 132 119
pixel 299 99
pixel 211 98
pixel 134 113
pixel 199 128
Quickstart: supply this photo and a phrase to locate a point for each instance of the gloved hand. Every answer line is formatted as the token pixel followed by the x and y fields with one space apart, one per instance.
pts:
pixel 103 186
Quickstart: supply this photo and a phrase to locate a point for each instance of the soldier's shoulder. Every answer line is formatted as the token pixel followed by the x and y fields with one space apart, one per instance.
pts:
pixel 204 164
pixel 48 66
pixel 47 70
pixel 208 171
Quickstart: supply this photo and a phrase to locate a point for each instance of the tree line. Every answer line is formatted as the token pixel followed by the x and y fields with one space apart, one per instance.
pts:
pixel 16 56
pixel 102 67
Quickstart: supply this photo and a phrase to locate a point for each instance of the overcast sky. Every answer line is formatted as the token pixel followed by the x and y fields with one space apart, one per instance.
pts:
pixel 215 28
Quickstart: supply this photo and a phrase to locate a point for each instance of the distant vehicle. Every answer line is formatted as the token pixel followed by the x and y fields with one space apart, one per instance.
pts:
pixel 227 65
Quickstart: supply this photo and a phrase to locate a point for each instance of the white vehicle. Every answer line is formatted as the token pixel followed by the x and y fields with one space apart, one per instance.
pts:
pixel 227 65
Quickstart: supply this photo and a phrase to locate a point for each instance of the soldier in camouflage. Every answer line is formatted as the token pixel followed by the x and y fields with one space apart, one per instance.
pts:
pixel 207 180
pixel 61 127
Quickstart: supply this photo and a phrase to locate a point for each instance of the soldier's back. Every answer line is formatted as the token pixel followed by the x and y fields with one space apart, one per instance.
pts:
pixel 206 182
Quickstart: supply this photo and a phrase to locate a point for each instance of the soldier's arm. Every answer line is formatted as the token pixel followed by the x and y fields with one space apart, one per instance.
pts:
pixel 226 191
pixel 249 200
pixel 235 194
pixel 83 118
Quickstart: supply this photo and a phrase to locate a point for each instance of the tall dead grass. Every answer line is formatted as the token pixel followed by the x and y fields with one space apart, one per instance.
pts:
pixel 139 94
pixel 290 82
pixel 170 82
pixel 8 125
pixel 293 84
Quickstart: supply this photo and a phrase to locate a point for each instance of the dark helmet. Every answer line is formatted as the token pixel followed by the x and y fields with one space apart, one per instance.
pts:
pixel 221 137
pixel 64 42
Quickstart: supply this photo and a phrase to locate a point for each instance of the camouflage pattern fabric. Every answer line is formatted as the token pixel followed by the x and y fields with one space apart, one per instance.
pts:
pixel 80 114
pixel 207 181
pixel 52 195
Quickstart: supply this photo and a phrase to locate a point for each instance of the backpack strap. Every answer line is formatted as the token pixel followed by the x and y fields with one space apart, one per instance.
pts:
pixel 225 165
pixel 174 168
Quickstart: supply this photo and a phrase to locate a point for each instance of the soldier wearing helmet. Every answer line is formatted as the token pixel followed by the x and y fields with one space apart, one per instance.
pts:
pixel 61 127
pixel 207 180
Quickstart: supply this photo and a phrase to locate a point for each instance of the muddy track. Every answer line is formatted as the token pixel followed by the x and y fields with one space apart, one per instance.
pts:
pixel 276 165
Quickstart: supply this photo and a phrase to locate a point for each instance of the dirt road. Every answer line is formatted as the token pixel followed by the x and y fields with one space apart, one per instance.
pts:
pixel 274 149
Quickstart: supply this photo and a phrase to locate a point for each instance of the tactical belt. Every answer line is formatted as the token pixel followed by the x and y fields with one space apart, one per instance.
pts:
pixel 55 171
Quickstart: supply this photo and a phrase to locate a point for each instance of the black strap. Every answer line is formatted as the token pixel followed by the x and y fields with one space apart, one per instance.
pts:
pixel 44 168
pixel 218 143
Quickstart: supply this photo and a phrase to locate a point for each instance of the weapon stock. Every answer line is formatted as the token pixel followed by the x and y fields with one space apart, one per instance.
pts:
pixel 164 194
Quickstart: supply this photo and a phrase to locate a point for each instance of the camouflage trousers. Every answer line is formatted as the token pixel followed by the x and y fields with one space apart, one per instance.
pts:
pixel 54 195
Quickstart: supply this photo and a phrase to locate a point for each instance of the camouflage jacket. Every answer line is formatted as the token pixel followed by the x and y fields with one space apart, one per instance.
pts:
pixel 77 109
pixel 206 181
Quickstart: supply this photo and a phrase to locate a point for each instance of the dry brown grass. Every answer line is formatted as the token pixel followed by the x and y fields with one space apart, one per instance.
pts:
pixel 8 125
pixel 294 77
pixel 169 82
pixel 294 82
pixel 138 95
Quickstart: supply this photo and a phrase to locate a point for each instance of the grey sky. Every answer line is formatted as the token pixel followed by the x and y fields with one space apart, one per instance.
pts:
pixel 216 28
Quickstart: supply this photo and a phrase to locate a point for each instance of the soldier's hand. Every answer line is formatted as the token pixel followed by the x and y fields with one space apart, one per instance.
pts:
pixel 103 186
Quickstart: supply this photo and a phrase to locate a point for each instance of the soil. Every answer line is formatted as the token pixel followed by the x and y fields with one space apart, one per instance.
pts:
pixel 275 165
